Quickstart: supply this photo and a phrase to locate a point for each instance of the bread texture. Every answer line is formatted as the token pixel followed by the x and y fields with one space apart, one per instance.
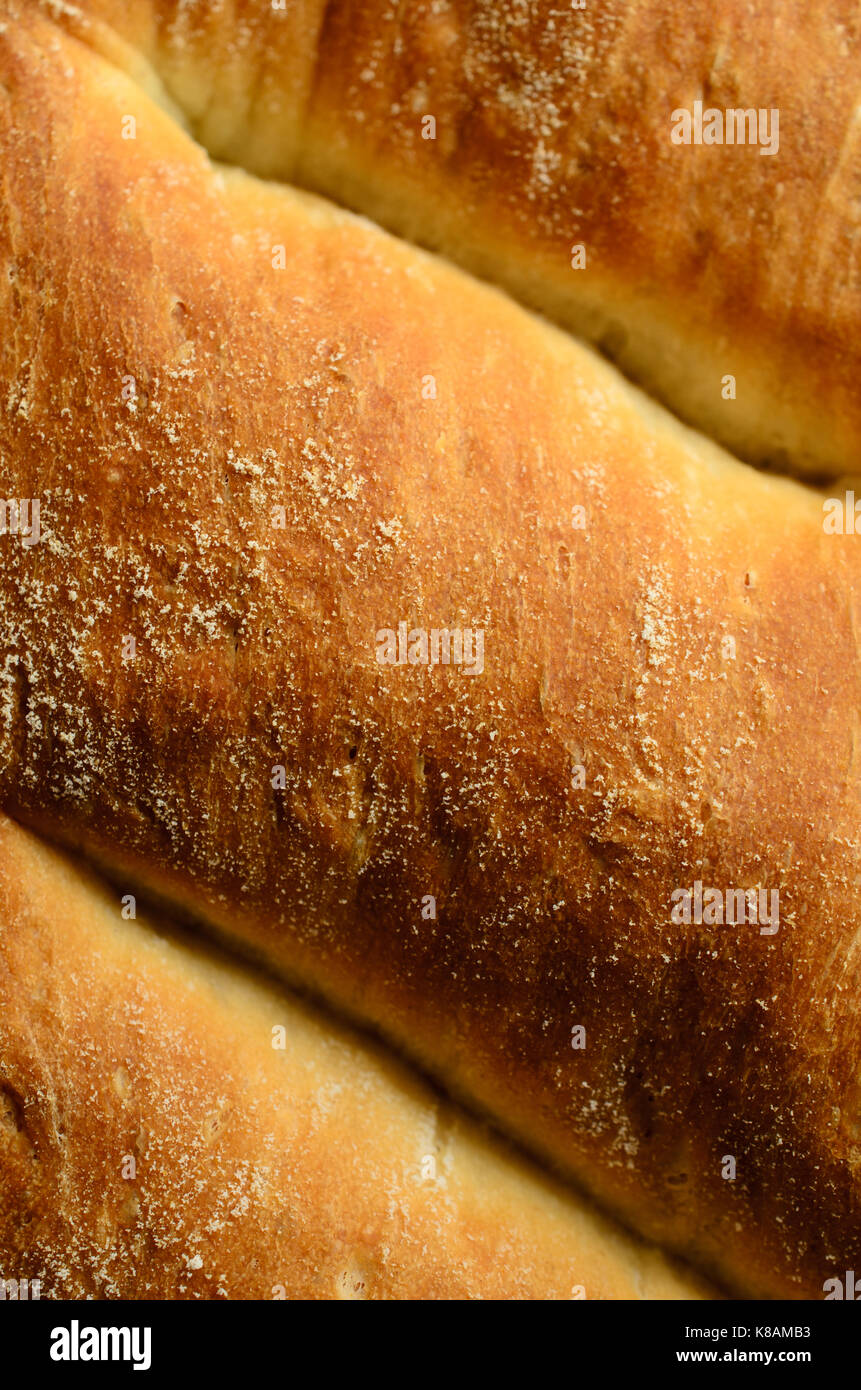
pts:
pixel 552 129
pixel 170 1128
pixel 263 433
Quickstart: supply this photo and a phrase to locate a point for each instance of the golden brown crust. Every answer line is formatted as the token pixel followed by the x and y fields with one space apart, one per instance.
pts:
pixel 154 1143
pixel 302 388
pixel 553 129
pixel 730 761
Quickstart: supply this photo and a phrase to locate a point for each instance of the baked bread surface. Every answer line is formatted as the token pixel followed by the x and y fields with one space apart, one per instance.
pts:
pixel 552 130
pixel 221 392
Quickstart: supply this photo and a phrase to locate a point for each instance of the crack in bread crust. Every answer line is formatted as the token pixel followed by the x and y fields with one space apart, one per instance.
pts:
pixel 552 131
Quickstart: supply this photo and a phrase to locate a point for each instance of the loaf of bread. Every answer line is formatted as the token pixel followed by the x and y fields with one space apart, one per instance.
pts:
pixel 679 183
pixel 172 1129
pixel 387 633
